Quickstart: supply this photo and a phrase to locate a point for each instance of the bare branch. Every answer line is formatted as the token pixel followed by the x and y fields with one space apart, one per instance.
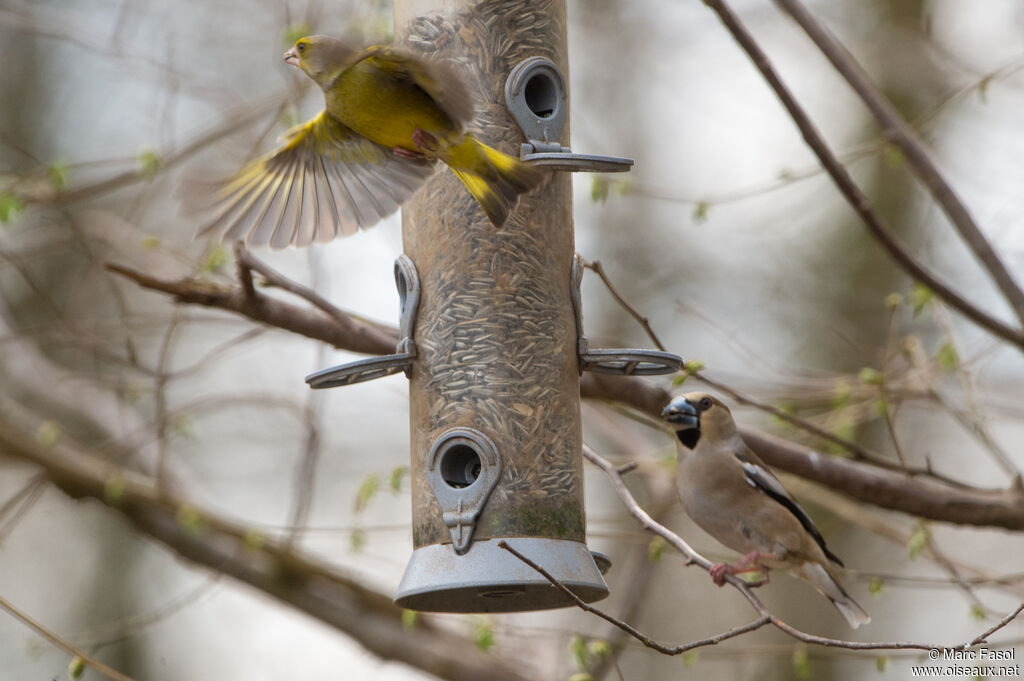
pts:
pixel 368 617
pixel 629 629
pixel 858 451
pixel 248 261
pixel 983 638
pixel 53 638
pixel 900 133
pixel 598 269
pixel 344 332
pixel 849 189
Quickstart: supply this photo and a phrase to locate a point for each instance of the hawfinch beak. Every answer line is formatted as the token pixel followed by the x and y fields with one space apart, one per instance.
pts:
pixel 291 57
pixel 681 413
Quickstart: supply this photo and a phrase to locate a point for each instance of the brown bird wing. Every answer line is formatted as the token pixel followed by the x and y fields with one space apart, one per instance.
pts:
pixel 760 478
pixel 325 181
pixel 437 79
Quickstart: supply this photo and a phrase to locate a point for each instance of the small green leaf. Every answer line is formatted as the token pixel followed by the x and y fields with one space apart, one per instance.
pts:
pixel 919 296
pixel 580 652
pixel 150 162
pixel 48 433
pixel 357 540
pixel 114 488
pixel 841 394
pixel 397 475
pixel 983 85
pixel 801 664
pixel 882 663
pixel 690 658
pixel 295 31
pixel 76 668
pixel 184 426
pixel 191 520
pixel 679 379
pixel 600 649
pixel 785 407
pixel 946 358
pixel 845 429
pixel 870 376
pixel 254 540
pixel 700 211
pixel 893 156
pixel 367 489
pixel 693 366
pixel 10 207
pixel 978 612
pixel 59 174
pixel 875 586
pixel 893 300
pixel 484 637
pixel 656 549
pixel 918 540
pixel 880 407
pixel 215 260
pixel 409 619
pixel 599 189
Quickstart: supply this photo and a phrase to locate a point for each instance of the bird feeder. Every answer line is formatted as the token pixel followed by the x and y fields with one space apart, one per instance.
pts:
pixel 492 336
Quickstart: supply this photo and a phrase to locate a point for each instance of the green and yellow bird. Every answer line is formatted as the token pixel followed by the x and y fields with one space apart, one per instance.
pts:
pixel 388 118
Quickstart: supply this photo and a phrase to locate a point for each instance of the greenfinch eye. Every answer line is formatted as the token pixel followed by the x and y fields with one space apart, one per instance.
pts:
pixel 300 46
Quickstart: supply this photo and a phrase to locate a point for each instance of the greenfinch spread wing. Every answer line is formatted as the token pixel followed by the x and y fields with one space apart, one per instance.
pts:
pixel 324 181
pixel 435 78
pixel 388 118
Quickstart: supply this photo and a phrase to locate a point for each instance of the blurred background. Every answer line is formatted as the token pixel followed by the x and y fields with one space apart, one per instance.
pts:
pixel 727 236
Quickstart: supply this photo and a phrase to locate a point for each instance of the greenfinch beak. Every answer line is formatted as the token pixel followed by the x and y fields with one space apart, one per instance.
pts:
pixel 291 57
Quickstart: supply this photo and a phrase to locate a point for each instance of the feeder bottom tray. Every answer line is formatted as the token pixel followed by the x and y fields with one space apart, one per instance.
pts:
pixel 487 578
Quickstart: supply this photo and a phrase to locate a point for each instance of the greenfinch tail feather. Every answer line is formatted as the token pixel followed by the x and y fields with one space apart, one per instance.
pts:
pixel 494 179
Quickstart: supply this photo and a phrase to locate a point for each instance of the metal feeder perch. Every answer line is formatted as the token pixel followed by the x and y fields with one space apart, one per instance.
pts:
pixel 492 342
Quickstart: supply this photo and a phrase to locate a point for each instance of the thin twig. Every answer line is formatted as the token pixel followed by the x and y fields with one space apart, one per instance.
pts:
pixel 61 643
pixel 857 450
pixel 598 269
pixel 345 332
pixel 900 133
pixel 20 504
pixel 983 638
pixel 248 261
pixel 160 401
pixel 629 629
pixel 235 121
pixel 849 189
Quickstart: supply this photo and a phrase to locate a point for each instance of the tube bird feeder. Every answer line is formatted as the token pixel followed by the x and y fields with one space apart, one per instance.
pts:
pixel 492 335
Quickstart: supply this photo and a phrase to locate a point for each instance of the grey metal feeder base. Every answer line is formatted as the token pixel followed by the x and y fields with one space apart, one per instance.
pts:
pixel 488 578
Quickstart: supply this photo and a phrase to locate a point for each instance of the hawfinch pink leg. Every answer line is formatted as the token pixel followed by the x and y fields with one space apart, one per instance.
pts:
pixel 747 563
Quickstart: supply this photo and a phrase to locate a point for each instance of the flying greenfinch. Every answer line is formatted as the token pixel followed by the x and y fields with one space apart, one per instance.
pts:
pixel 388 118
pixel 733 496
